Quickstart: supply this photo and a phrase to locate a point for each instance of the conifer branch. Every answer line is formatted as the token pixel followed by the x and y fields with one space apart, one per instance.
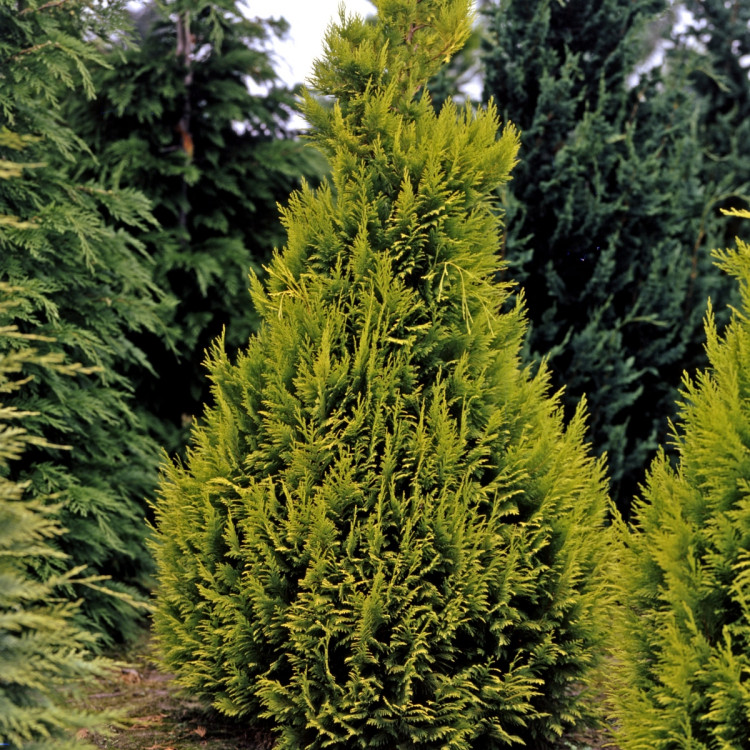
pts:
pixel 32 50
pixel 51 4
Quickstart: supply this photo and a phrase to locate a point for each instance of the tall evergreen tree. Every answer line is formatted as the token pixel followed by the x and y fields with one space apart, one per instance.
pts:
pixel 710 56
pixel 175 119
pixel 42 651
pixel 84 284
pixel 604 229
pixel 383 534
pixel 686 576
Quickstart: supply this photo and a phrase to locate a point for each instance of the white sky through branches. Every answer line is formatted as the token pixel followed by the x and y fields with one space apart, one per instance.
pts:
pixel 308 20
pixel 294 55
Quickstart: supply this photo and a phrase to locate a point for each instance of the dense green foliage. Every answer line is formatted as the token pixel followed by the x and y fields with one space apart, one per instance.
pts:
pixel 174 118
pixel 83 282
pixel 710 56
pixel 687 633
pixel 41 650
pixel 383 534
pixel 603 214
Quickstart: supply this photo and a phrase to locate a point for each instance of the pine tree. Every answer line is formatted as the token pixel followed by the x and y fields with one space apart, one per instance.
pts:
pixel 685 578
pixel 175 119
pixel 84 284
pixel 603 214
pixel 42 651
pixel 383 534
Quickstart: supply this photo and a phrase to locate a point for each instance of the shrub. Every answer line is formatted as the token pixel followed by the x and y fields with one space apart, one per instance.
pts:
pixel 42 651
pixel 684 679
pixel 383 534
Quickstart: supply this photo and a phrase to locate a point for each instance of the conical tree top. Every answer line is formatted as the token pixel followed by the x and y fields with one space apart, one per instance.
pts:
pixel 408 45
pixel 405 184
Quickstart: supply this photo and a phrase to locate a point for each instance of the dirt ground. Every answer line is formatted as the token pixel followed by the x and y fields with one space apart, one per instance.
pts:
pixel 155 716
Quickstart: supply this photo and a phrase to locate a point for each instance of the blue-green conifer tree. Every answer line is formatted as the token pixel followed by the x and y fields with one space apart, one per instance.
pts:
pixel 604 214
pixel 709 55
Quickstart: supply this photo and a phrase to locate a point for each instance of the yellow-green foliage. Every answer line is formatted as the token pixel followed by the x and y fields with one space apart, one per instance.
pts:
pixel 42 651
pixel 383 535
pixel 686 662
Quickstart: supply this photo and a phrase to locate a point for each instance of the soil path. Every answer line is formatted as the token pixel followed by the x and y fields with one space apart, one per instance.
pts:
pixel 154 715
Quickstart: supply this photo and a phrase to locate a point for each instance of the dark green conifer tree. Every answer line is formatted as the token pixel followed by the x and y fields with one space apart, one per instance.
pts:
pixel 383 534
pixel 175 119
pixel 85 284
pixel 42 651
pixel 710 56
pixel 683 681
pixel 603 214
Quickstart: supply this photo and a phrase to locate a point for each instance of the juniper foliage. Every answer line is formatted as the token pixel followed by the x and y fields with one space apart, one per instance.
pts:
pixel 82 282
pixel 686 578
pixel 383 534
pixel 604 214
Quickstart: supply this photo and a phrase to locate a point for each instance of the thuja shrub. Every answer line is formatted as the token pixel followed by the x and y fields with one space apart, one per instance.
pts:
pixel 686 578
pixel 383 534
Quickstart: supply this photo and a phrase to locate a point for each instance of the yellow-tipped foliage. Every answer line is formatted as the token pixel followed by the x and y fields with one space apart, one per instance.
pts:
pixel 383 535
pixel 686 661
pixel 43 651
